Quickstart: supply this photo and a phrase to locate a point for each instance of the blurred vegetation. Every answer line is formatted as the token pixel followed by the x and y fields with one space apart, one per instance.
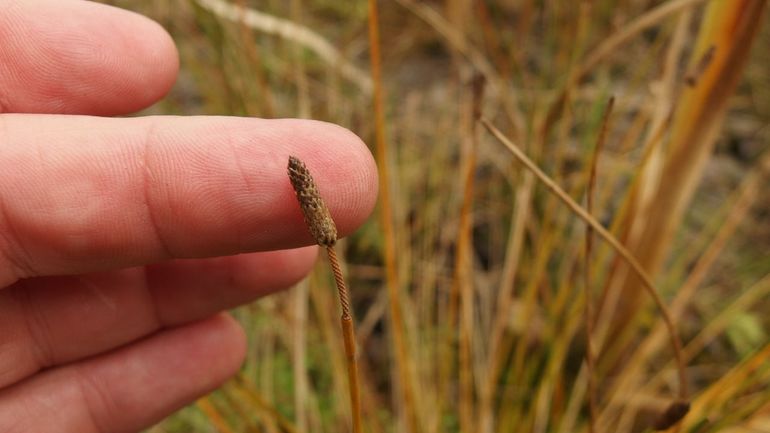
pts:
pixel 489 275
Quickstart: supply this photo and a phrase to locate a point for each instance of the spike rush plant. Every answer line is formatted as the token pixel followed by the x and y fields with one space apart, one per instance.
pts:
pixel 324 231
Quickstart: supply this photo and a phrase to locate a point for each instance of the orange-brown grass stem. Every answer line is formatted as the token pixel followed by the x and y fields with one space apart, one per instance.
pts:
pixel 349 339
pixel 245 390
pixel 397 331
pixel 204 404
pixel 647 283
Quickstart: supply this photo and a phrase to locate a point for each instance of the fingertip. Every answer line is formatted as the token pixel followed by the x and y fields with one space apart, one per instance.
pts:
pixel 256 156
pixel 100 60
pixel 137 68
pixel 229 338
pixel 155 61
pixel 283 268
pixel 211 350
pixel 360 196
pixel 344 169
pixel 253 275
pixel 186 290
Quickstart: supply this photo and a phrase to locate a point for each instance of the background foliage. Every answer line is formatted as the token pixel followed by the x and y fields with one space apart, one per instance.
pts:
pixel 483 328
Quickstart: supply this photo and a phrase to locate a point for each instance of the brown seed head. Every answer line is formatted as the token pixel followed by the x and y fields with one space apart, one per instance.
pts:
pixel 317 216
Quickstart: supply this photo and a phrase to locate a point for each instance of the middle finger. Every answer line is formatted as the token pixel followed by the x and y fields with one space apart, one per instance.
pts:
pixel 55 320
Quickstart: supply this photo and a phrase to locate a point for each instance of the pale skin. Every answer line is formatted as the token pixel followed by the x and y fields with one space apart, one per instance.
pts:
pixel 123 240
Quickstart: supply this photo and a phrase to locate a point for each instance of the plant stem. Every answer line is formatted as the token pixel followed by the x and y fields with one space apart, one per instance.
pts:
pixel 588 303
pixel 349 338
pixel 406 381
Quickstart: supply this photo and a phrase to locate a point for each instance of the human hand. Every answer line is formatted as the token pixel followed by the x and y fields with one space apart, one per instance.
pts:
pixel 117 236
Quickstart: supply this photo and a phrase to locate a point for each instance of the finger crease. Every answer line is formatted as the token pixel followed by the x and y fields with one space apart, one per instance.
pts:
pixel 152 300
pixel 12 250
pixel 146 189
pixel 5 105
pixel 237 161
pixel 35 325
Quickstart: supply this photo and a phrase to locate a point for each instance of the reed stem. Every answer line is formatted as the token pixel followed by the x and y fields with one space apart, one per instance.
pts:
pixel 349 339
pixel 406 380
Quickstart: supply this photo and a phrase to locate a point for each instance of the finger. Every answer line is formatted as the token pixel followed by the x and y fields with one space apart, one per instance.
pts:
pixel 56 320
pixel 82 194
pixel 128 389
pixel 185 290
pixel 81 57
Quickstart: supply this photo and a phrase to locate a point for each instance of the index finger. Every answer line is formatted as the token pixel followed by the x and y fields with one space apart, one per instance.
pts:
pixel 84 193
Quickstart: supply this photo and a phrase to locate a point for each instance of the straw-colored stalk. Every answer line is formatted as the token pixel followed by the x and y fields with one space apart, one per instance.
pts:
pixel 324 231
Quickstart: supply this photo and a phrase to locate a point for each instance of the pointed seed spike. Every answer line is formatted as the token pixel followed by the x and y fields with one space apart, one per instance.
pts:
pixel 314 210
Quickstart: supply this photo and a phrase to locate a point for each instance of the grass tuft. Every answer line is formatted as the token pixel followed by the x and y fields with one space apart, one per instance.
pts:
pixel 486 304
